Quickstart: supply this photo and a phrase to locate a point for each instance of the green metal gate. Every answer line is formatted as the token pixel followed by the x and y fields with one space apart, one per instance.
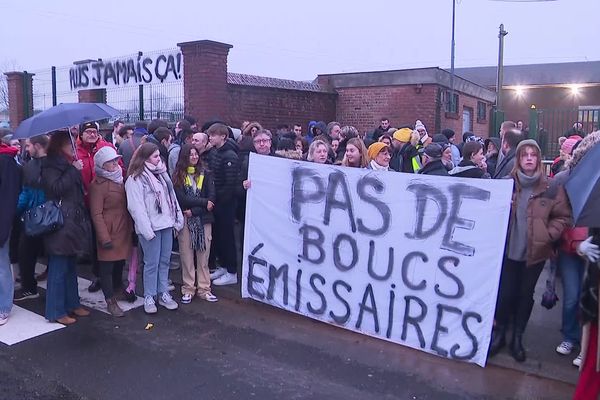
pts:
pixel 547 125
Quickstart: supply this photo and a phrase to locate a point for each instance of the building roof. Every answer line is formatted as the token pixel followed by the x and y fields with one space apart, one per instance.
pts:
pixel 423 76
pixel 535 74
pixel 262 81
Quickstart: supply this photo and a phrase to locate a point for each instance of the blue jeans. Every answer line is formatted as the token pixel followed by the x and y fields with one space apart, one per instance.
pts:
pixel 61 293
pixel 571 270
pixel 7 282
pixel 157 256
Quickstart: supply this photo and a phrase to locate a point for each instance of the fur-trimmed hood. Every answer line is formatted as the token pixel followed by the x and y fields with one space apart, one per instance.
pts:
pixel 586 144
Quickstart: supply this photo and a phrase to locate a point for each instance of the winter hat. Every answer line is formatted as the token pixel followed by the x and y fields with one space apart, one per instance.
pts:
pixel 88 125
pixel 567 146
pixel 434 150
pixel 449 133
pixel 529 142
pixel 403 135
pixel 439 138
pixel 105 154
pixel 420 125
pixel 375 149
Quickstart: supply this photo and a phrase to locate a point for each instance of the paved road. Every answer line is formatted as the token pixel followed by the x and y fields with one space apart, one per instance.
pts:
pixel 240 349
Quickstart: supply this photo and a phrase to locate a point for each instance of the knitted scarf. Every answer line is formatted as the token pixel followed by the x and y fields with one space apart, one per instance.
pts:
pixel 158 180
pixel 193 188
pixel 115 176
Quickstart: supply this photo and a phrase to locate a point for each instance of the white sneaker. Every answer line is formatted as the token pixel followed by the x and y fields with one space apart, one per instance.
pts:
pixel 186 298
pixel 149 305
pixel 217 273
pixel 565 348
pixel 577 361
pixel 3 318
pixel 167 301
pixel 226 279
pixel 170 286
pixel 211 298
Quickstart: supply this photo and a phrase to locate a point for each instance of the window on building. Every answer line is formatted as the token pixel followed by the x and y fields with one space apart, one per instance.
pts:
pixel 481 111
pixel 450 102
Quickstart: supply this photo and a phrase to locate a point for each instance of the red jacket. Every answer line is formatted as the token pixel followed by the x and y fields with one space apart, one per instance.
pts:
pixel 85 153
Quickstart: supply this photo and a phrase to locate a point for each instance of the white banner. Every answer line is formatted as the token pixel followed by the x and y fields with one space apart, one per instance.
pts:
pixel 134 70
pixel 407 258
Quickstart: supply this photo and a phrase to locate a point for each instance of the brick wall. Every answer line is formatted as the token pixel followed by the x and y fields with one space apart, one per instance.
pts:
pixel 20 92
pixel 480 128
pixel 272 107
pixel 92 96
pixel 363 107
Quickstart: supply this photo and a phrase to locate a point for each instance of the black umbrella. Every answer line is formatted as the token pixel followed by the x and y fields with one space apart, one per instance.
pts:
pixel 583 189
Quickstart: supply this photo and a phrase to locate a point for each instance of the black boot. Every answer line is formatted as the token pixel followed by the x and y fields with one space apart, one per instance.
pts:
pixel 94 286
pixel 498 340
pixel 516 346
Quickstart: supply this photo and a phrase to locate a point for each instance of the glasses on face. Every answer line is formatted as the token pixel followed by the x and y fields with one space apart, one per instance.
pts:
pixel 90 132
pixel 261 141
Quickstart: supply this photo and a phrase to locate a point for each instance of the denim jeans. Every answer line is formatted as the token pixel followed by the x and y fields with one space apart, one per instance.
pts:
pixel 61 293
pixel 157 256
pixel 7 282
pixel 571 270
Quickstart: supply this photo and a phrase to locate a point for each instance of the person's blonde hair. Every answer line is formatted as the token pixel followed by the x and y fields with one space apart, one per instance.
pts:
pixel 313 147
pixel 362 149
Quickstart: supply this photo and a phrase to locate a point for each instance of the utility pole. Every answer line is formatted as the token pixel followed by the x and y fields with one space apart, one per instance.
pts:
pixel 451 100
pixel 500 79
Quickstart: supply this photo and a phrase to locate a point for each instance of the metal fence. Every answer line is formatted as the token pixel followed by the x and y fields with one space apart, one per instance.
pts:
pixel 552 124
pixel 162 100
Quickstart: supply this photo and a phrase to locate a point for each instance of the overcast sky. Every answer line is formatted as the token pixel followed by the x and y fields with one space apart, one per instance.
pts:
pixel 300 39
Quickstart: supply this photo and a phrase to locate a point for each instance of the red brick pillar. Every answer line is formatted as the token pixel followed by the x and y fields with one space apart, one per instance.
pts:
pixel 92 96
pixel 205 79
pixel 20 97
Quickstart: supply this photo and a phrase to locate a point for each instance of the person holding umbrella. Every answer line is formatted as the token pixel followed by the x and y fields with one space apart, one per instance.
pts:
pixel 583 189
pixel 540 213
pixel 62 182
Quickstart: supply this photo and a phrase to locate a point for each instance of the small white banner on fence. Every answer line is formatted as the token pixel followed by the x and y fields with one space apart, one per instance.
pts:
pixel 407 258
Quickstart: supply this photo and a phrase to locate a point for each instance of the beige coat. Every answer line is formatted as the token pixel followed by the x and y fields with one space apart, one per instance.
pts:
pixel 112 222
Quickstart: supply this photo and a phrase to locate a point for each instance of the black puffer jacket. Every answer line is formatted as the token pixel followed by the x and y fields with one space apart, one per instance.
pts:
pixel 224 164
pixel 198 204
pixel 61 181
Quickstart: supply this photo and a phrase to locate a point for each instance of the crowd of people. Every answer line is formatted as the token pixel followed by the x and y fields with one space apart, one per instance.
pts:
pixel 127 196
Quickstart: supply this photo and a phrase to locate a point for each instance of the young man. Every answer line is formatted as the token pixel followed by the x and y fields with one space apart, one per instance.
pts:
pixel 10 186
pixel 382 128
pixel 32 195
pixel 510 140
pixel 223 161
pixel 113 137
pixel 298 130
pixel 405 156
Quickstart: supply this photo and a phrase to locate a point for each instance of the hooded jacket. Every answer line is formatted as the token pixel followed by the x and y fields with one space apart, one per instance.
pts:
pixel 10 186
pixel 224 164
pixel 468 169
